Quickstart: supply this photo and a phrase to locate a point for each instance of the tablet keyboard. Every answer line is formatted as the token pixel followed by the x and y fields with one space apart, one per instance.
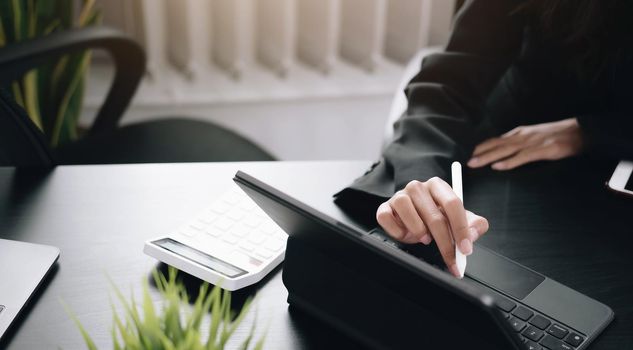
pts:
pixel 232 243
pixel 537 331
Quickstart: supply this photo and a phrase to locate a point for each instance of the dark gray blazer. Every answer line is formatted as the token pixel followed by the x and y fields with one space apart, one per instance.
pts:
pixel 496 73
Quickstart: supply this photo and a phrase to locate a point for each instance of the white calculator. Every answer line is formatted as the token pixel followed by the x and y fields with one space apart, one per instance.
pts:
pixel 232 243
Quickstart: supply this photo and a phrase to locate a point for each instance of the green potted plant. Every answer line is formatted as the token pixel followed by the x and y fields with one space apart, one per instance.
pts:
pixel 177 324
pixel 52 94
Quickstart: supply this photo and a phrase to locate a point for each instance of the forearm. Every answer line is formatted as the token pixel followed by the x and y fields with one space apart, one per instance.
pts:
pixel 446 102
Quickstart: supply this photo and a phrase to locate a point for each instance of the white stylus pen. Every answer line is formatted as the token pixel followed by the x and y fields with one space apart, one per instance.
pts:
pixel 456 179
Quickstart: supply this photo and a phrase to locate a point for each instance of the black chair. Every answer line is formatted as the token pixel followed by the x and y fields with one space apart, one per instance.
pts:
pixel 162 141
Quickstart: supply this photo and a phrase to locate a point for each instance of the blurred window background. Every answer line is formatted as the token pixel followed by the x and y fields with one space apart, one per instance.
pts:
pixel 305 79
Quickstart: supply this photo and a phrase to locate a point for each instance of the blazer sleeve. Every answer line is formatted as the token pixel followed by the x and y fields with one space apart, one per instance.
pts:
pixel 609 137
pixel 446 101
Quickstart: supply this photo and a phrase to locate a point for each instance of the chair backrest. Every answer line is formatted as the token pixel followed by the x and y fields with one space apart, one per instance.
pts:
pixel 22 144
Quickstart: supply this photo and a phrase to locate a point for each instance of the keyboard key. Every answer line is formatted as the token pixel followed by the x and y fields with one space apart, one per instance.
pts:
pixel 505 304
pixel 197 224
pixel 533 333
pixel 253 221
pixel 517 324
pixel 256 238
pixel 523 313
pixel 530 345
pixel 540 322
pixel 214 232
pixel 574 339
pixel 274 245
pixel 189 231
pixel 208 217
pixel 552 343
pixel 268 228
pixel 246 246
pixel 558 331
pixel 232 198
pixel 262 253
pixel 248 205
pixel 241 230
pixel 223 224
pixel 230 238
pixel 236 214
pixel 220 208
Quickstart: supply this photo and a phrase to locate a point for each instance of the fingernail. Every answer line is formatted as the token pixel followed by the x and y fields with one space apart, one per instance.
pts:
pixel 473 162
pixel 466 246
pixel 499 166
pixel 474 235
pixel 455 271
pixel 426 239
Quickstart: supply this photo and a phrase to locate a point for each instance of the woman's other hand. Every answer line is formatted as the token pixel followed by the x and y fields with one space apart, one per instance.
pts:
pixel 427 211
pixel 526 144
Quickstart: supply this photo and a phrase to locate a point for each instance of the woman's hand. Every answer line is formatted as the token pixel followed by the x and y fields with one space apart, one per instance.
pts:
pixel 427 211
pixel 526 144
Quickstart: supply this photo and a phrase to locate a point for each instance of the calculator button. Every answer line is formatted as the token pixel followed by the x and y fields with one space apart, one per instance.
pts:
pixel 253 221
pixel 246 246
pixel 263 253
pixel 189 231
pixel 574 339
pixel 214 232
pixel 240 230
pixel 223 224
pixel 248 205
pixel 208 217
pixel 197 224
pixel 505 304
pixel 557 331
pixel 232 198
pixel 523 313
pixel 236 215
pixel 268 228
pixel 256 238
pixel 274 245
pixel 230 238
pixel 540 322
pixel 220 208
pixel 533 333
pixel 517 324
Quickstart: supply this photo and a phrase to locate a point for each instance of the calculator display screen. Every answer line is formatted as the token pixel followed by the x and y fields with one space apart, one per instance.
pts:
pixel 201 258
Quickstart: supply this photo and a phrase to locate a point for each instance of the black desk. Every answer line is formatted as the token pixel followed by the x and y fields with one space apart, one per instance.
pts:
pixel 555 218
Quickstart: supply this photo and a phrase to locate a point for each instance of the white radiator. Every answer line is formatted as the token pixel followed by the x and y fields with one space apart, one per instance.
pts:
pixel 288 74
pixel 275 35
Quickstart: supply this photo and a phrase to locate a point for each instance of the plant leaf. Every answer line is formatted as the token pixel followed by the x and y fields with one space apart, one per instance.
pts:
pixel 87 339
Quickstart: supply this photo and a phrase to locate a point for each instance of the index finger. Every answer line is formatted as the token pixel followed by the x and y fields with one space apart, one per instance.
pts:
pixel 487 145
pixel 453 207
